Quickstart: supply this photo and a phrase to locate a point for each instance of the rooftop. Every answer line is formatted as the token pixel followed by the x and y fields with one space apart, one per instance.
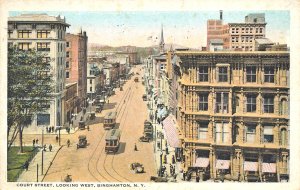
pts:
pixel 38 18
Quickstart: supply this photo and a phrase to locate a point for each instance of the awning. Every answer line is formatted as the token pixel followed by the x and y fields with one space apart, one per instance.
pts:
pixel 201 162
pixel 250 166
pixel 223 164
pixel 268 167
pixel 171 132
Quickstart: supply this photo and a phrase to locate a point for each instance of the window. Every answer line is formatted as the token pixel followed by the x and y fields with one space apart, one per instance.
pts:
pixel 43 34
pixel 24 33
pixel 221 103
pixel 250 133
pixel 233 39
pixel 256 31
pixel 261 30
pixel 283 137
pixel 223 74
pixel 67 74
pixel 268 134
pixel 268 103
pixel 68 44
pixel 67 64
pixel 24 46
pixel 251 103
pixel 222 133
pixel 43 46
pixel 9 33
pixel 46 60
pixel 251 73
pixel 67 54
pixel 91 89
pixel 203 102
pixel 203 73
pixel 202 130
pixel 269 74
pixel 91 81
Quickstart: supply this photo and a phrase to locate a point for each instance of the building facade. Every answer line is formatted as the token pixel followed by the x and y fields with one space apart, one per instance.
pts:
pixel 71 99
pixel 93 81
pixel 47 34
pixel 243 35
pixel 76 65
pixel 233 113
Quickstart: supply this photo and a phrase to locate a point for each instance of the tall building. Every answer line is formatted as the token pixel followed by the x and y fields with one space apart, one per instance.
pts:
pixel 237 36
pixel 47 34
pixel 76 65
pixel 243 35
pixel 216 30
pixel 232 113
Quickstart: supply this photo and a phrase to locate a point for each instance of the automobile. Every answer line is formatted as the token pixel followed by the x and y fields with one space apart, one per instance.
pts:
pixel 136 79
pixel 158 179
pixel 137 167
pixel 144 139
pixel 82 142
pixel 81 125
pixel 144 97
pixel 68 178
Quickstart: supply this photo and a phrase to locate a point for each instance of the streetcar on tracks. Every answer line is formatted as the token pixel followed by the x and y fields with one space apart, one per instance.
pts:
pixel 110 120
pixel 112 140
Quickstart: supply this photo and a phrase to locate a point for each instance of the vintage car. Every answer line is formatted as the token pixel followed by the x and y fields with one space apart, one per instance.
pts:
pixel 144 139
pixel 158 179
pixel 136 79
pixel 121 88
pixel 81 125
pixel 68 178
pixel 137 167
pixel 82 142
pixel 144 97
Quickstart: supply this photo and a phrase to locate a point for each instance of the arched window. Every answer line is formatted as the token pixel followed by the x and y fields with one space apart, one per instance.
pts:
pixel 283 106
pixel 283 136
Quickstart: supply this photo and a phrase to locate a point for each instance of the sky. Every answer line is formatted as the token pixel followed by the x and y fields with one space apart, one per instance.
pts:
pixel 142 28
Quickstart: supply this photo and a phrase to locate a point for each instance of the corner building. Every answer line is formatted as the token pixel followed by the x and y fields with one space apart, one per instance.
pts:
pixel 233 113
pixel 47 34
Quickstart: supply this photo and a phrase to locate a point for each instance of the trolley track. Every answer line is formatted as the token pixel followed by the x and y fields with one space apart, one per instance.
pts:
pixel 127 92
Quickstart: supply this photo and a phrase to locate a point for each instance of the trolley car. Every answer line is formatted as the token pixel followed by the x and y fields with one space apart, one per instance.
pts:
pixel 110 120
pixel 112 140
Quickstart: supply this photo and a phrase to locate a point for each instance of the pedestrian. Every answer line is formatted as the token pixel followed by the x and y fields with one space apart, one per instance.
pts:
pixel 135 147
pixel 165 159
pixel 167 150
pixel 197 178
pixel 184 175
pixel 33 142
pixel 171 169
pixel 56 138
pixel 50 147
pixel 37 141
pixel 173 159
pixel 52 129
pixel 68 142
pixel 88 128
pixel 26 165
pixel 45 147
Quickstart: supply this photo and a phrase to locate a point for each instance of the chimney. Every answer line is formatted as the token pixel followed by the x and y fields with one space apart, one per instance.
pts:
pixel 221 15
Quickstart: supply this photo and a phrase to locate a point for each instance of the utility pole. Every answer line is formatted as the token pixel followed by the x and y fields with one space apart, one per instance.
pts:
pixel 43 151
pixel 37 172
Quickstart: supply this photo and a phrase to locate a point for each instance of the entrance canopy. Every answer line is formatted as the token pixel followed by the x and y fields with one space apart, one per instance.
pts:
pixel 201 162
pixel 223 164
pixel 268 167
pixel 250 166
pixel 169 125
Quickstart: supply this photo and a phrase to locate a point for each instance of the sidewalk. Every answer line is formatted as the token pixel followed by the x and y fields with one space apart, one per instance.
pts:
pixel 31 174
pixel 171 152
pixel 38 130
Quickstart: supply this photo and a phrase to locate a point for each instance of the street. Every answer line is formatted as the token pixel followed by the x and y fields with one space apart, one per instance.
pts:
pixel 92 164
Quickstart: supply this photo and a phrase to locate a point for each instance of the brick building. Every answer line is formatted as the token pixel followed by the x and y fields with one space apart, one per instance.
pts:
pixel 76 65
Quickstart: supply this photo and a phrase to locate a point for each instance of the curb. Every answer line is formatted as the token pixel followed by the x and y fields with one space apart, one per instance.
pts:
pixel 51 161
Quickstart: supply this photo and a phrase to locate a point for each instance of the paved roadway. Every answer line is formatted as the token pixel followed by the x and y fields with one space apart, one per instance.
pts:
pixel 92 164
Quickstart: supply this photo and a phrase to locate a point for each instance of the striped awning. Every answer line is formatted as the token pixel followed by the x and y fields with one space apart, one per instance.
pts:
pixel 250 166
pixel 201 162
pixel 223 164
pixel 268 167
pixel 169 125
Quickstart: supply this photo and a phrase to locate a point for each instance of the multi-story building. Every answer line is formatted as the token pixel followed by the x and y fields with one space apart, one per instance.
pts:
pixel 237 36
pixel 93 81
pixel 216 30
pixel 232 112
pixel 44 33
pixel 243 35
pixel 70 101
pixel 76 65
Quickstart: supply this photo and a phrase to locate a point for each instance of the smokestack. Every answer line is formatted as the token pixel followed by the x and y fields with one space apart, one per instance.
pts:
pixel 221 15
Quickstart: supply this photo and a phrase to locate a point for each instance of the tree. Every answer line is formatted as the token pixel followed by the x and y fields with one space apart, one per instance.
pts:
pixel 30 87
